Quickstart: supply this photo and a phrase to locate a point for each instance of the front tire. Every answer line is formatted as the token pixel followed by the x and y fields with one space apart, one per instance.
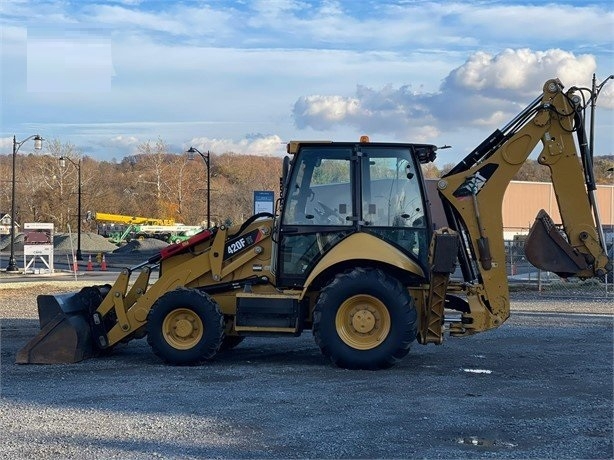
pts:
pixel 364 319
pixel 185 327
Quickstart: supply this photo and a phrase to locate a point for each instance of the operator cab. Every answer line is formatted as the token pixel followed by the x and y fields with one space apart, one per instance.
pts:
pixel 333 189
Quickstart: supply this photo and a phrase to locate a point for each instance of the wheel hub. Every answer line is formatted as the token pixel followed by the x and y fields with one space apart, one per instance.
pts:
pixel 363 321
pixel 182 328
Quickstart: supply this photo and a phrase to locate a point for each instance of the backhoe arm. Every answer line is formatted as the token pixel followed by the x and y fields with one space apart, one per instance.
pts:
pixel 472 195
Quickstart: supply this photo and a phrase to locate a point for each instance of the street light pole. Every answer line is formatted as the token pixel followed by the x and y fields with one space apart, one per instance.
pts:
pixel 78 166
pixel 38 144
pixel 206 158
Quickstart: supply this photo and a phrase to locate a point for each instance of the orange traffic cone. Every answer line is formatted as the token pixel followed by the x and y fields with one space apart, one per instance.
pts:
pixel 90 266
pixel 75 266
pixel 103 265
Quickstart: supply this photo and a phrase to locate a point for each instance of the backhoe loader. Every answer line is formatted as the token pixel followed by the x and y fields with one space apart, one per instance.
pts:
pixel 350 254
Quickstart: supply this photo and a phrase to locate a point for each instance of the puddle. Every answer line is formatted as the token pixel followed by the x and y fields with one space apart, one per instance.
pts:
pixel 478 371
pixel 484 442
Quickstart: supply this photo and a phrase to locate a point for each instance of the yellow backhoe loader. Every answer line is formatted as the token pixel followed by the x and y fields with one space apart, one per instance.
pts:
pixel 350 253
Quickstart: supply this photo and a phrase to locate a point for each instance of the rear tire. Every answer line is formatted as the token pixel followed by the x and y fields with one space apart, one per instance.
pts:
pixel 364 319
pixel 185 327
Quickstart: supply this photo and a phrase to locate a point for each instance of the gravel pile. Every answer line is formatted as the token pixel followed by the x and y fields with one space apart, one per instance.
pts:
pixel 90 242
pixel 5 241
pixel 146 245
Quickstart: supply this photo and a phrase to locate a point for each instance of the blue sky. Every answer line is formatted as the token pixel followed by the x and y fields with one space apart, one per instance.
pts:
pixel 248 76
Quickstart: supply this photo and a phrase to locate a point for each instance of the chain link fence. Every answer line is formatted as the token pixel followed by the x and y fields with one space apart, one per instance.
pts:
pixel 524 277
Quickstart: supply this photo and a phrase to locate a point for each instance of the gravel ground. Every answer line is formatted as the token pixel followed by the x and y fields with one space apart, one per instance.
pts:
pixel 538 387
pixel 26 292
pixel 541 386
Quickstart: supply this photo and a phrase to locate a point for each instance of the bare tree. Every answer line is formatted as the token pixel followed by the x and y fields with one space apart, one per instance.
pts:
pixel 430 171
pixel 65 183
pixel 153 180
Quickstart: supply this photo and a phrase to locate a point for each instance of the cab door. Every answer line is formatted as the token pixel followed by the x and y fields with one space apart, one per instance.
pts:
pixel 393 198
pixel 320 206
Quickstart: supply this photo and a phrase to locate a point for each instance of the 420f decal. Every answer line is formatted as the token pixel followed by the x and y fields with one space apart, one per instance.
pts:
pixel 241 243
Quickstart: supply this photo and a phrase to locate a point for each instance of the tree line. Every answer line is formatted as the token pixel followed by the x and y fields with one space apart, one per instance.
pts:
pixel 154 182
pixel 158 183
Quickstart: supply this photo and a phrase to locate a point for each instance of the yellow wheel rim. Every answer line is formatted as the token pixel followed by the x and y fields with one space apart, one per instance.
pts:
pixel 363 322
pixel 183 329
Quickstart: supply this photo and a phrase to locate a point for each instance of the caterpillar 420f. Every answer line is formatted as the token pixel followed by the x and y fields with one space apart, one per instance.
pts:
pixel 350 254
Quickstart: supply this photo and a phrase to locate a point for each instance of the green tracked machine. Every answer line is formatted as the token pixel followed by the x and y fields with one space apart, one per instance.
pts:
pixel 350 254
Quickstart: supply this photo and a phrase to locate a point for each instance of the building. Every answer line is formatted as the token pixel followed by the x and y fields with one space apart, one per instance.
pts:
pixel 523 200
pixel 5 224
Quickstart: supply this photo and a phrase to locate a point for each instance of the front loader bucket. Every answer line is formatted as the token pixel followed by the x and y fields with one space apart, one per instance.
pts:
pixel 547 250
pixel 65 336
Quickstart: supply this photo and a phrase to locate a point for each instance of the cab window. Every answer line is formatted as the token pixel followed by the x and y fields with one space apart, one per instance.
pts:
pixel 393 201
pixel 320 191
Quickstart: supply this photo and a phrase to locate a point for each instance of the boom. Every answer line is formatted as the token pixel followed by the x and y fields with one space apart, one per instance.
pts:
pixel 131 220
pixel 472 196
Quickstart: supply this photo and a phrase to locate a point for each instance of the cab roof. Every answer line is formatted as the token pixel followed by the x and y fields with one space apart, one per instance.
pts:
pixel 425 153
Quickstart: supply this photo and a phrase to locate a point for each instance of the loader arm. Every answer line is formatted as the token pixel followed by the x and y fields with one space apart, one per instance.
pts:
pixel 131 306
pixel 77 326
pixel 472 195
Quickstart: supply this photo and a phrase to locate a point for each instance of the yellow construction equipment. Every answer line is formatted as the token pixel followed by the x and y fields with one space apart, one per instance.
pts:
pixel 104 217
pixel 350 254
pixel 119 228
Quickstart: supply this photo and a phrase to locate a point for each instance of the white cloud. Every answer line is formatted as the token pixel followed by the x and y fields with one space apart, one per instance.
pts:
pixel 485 91
pixel 320 112
pixel 119 16
pixel 6 145
pixel 338 68
pixel 606 97
pixel 77 64
pixel 271 145
pixel 124 141
pixel 519 72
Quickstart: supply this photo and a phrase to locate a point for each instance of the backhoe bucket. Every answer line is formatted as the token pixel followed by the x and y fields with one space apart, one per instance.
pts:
pixel 65 336
pixel 547 250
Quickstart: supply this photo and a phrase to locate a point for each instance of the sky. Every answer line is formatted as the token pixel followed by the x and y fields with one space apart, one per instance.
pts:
pixel 249 76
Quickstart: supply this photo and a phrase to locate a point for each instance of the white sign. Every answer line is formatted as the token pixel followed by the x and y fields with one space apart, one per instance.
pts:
pixel 264 201
pixel 38 244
